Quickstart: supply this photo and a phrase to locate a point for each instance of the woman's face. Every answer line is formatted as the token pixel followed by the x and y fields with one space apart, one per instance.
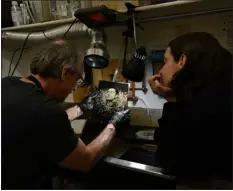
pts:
pixel 170 67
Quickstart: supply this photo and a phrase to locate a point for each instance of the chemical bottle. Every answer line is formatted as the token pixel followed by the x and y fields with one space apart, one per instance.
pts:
pixel 16 14
pixel 26 18
pixel 74 6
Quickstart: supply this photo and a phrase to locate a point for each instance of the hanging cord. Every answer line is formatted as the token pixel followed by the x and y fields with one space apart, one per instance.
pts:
pixel 12 58
pixel 74 21
pixel 21 53
pixel 134 31
pixel 24 44
pixel 135 39
pixel 148 111
pixel 119 63
pixel 46 36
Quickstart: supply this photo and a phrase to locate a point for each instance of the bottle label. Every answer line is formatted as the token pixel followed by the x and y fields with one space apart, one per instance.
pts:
pixel 17 17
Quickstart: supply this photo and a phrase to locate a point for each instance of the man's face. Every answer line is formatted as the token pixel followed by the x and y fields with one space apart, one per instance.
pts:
pixel 111 94
pixel 66 84
pixel 169 69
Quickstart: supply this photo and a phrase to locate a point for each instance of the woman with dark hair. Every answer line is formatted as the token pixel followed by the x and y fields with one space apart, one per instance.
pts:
pixel 195 134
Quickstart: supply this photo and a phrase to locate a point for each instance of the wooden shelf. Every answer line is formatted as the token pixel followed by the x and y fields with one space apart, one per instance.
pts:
pixel 144 12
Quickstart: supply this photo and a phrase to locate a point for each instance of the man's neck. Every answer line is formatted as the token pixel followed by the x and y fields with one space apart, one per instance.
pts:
pixel 43 82
pixel 49 85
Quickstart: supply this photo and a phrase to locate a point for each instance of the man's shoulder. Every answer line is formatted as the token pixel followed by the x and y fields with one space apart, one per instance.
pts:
pixel 51 108
pixel 9 79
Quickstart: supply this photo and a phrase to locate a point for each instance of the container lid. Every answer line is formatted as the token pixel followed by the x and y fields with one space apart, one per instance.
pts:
pixel 14 3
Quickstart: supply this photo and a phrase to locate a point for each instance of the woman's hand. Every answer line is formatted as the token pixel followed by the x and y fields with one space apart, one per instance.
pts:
pixel 158 88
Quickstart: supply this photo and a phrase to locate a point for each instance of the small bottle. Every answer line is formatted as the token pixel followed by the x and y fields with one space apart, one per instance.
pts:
pixel 74 6
pixel 53 9
pixel 26 18
pixel 16 14
pixel 62 9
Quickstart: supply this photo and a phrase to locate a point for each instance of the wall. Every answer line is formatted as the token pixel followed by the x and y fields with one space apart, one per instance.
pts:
pixel 156 36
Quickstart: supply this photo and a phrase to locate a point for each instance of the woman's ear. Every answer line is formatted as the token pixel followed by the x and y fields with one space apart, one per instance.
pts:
pixel 182 61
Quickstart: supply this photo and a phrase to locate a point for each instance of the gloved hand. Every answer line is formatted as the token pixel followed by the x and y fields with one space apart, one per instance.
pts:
pixel 88 102
pixel 120 117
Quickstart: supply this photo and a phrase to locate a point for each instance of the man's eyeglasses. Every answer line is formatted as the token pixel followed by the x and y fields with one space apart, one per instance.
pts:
pixel 80 81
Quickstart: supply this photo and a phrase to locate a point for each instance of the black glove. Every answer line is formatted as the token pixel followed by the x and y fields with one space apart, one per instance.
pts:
pixel 88 102
pixel 120 117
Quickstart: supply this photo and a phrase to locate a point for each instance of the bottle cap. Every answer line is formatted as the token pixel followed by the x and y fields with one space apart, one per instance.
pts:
pixel 14 3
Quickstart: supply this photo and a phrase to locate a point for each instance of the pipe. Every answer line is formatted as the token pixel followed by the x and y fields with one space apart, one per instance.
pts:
pixel 184 15
pixel 39 25
pixel 161 5
pixel 78 29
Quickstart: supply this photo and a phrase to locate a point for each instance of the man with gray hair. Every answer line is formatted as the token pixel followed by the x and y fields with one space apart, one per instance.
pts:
pixel 36 131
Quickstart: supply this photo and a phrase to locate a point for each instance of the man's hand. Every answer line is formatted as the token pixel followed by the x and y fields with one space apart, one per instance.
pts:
pixel 120 117
pixel 88 102
pixel 159 89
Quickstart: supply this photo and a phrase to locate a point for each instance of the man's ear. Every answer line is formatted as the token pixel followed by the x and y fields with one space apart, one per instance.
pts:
pixel 64 73
pixel 182 61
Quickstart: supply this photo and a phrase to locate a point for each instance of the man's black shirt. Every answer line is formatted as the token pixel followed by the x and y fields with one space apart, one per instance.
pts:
pixel 36 135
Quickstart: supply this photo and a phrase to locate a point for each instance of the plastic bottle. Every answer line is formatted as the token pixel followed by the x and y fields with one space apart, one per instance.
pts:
pixel 74 6
pixel 62 9
pixel 16 14
pixel 26 18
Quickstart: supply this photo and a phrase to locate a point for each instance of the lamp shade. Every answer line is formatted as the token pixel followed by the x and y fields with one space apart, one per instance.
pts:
pixel 134 70
pixel 97 55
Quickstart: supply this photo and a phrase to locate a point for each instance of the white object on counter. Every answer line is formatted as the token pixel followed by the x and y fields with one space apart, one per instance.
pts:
pixel 16 14
pixel 146 134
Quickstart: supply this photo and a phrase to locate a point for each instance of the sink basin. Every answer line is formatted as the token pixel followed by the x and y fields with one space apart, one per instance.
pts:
pixel 120 168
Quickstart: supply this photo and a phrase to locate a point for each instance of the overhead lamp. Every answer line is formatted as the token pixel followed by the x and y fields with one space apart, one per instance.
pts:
pixel 96 18
pixel 134 70
pixel 97 55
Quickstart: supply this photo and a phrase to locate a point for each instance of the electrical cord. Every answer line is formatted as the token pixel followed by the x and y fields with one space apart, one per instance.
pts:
pixel 24 44
pixel 22 49
pixel 134 31
pixel 46 36
pixel 148 111
pixel 21 53
pixel 69 27
pixel 12 58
